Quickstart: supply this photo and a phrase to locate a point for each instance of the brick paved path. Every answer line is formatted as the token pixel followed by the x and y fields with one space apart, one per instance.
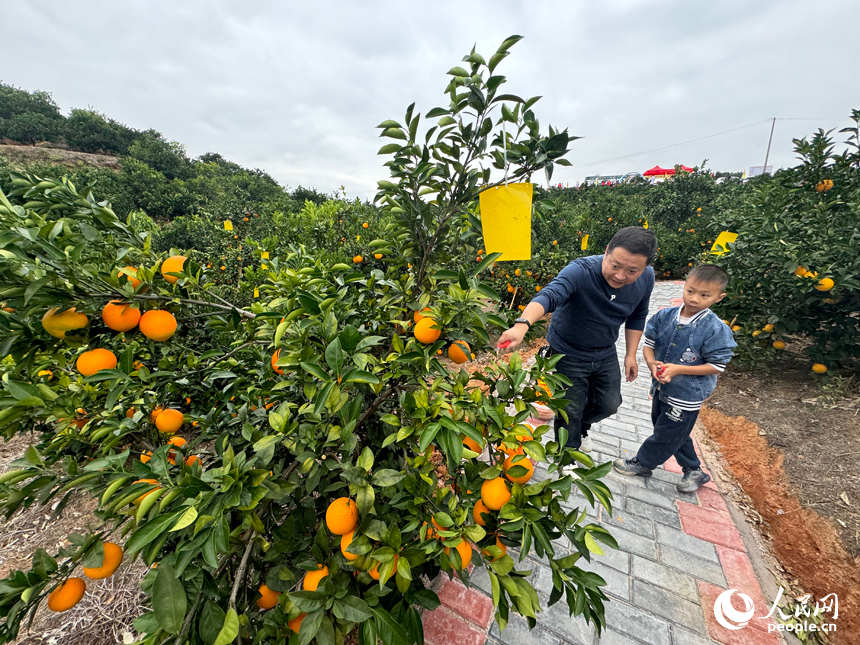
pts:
pixel 677 552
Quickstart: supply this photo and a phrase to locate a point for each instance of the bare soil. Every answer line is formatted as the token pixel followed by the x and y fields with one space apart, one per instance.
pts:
pixel 794 459
pixel 18 155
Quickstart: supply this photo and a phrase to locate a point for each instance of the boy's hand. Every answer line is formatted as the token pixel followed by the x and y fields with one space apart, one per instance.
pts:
pixel 656 369
pixel 666 371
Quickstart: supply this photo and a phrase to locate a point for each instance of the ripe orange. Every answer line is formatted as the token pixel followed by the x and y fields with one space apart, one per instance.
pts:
pixel 501 546
pixel 268 598
pixel 825 284
pixel 374 572
pixel 110 563
pixel 95 360
pixel 173 264
pixel 365 225
pixel 357 259
pixel 275 358
pixel 526 463
pixel 131 278
pixel 145 456
pixel 538 288
pixel 819 368
pixel 57 324
pixel 312 578
pixel 424 331
pixel 542 385
pixel 191 460
pixel 800 271
pixel 67 595
pixel 341 516
pixel 345 541
pixel 296 623
pixel 471 444
pixel 129 413
pixel 48 373
pixel 120 316
pixel 378 256
pixel 169 421
pixel 495 493
pixel 479 508
pixel 736 327
pixel 418 315
pixel 517 272
pixel 158 324
pixel 768 328
pixel 145 481
pixel 179 442
pixel 778 344
pixel 465 552
pixel 459 351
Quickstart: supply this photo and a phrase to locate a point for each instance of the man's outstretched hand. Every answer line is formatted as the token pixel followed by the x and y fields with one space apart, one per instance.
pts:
pixel 512 337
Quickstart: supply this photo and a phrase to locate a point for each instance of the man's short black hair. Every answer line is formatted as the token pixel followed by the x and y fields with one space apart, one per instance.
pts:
pixel 710 274
pixel 636 240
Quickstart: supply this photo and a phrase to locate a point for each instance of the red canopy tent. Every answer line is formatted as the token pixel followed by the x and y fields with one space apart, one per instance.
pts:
pixel 657 171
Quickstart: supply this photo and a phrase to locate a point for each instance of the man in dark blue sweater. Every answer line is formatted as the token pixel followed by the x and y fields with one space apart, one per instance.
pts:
pixel 590 299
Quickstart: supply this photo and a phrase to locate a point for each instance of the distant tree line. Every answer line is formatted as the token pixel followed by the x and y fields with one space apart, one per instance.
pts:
pixel 157 176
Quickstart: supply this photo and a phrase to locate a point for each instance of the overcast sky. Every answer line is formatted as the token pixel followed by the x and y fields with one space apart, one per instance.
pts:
pixel 297 88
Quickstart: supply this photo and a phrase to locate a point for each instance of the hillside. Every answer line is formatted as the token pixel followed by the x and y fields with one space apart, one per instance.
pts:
pixel 25 156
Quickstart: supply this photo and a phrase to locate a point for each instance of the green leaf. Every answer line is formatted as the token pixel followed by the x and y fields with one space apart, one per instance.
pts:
pixel 389 148
pixel 387 477
pixel 168 600
pixel 592 545
pixel 360 376
pixel 365 459
pixel 390 631
pixel 334 356
pixel 149 531
pixel 458 71
pixel 230 628
pixel 389 124
pixel 211 621
pixel 187 518
pixel 355 609
pixel 364 498
pixel 394 133
pixel 486 262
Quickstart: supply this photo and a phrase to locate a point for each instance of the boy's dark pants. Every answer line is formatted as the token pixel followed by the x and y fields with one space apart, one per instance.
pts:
pixel 672 428
pixel 594 394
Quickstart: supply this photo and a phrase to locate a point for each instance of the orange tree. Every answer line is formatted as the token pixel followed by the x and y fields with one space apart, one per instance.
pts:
pixel 296 469
pixel 795 268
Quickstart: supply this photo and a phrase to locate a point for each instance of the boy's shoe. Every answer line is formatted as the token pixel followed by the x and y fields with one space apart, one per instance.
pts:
pixel 586 445
pixel 693 480
pixel 631 467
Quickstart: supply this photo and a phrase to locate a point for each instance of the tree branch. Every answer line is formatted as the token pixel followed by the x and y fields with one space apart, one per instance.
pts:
pixel 375 406
pixel 240 573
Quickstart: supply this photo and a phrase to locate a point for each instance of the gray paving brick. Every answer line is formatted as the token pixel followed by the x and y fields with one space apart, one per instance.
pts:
pixel 633 543
pixel 541 580
pixel 617 583
pixel 630 482
pixel 697 567
pixel 649 495
pixel 600 435
pixel 572 629
pixel 669 488
pixel 661 474
pixel 654 513
pixel 633 416
pixel 628 432
pixel 604 448
pixel 665 577
pixel 615 558
pixel 611 637
pixel 624 520
pixel 616 487
pixel 687 543
pixel 481 580
pixel 669 606
pixel 517 632
pixel 681 636
pixel 632 621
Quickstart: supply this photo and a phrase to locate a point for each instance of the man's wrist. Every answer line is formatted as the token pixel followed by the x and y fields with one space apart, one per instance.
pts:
pixel 523 321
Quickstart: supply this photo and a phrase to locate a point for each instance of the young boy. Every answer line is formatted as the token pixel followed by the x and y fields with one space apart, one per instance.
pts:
pixel 685 348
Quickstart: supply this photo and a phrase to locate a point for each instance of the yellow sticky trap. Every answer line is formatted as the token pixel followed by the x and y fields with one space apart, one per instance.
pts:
pixel 256 293
pixel 264 266
pixel 584 244
pixel 506 218
pixel 721 244
pixel 228 225
pixel 265 255
pixel 646 224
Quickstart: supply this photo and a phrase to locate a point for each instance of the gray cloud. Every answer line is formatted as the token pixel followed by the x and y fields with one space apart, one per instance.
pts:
pixel 296 88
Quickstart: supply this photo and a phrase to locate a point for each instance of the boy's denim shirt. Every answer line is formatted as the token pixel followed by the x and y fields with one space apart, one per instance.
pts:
pixel 705 340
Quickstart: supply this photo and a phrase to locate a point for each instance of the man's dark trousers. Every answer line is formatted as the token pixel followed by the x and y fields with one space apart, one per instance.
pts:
pixel 594 394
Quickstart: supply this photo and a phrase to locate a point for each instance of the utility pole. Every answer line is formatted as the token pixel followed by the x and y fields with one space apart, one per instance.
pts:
pixel 767 154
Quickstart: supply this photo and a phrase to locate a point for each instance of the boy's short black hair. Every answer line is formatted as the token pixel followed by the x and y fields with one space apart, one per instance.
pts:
pixel 636 240
pixel 710 274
